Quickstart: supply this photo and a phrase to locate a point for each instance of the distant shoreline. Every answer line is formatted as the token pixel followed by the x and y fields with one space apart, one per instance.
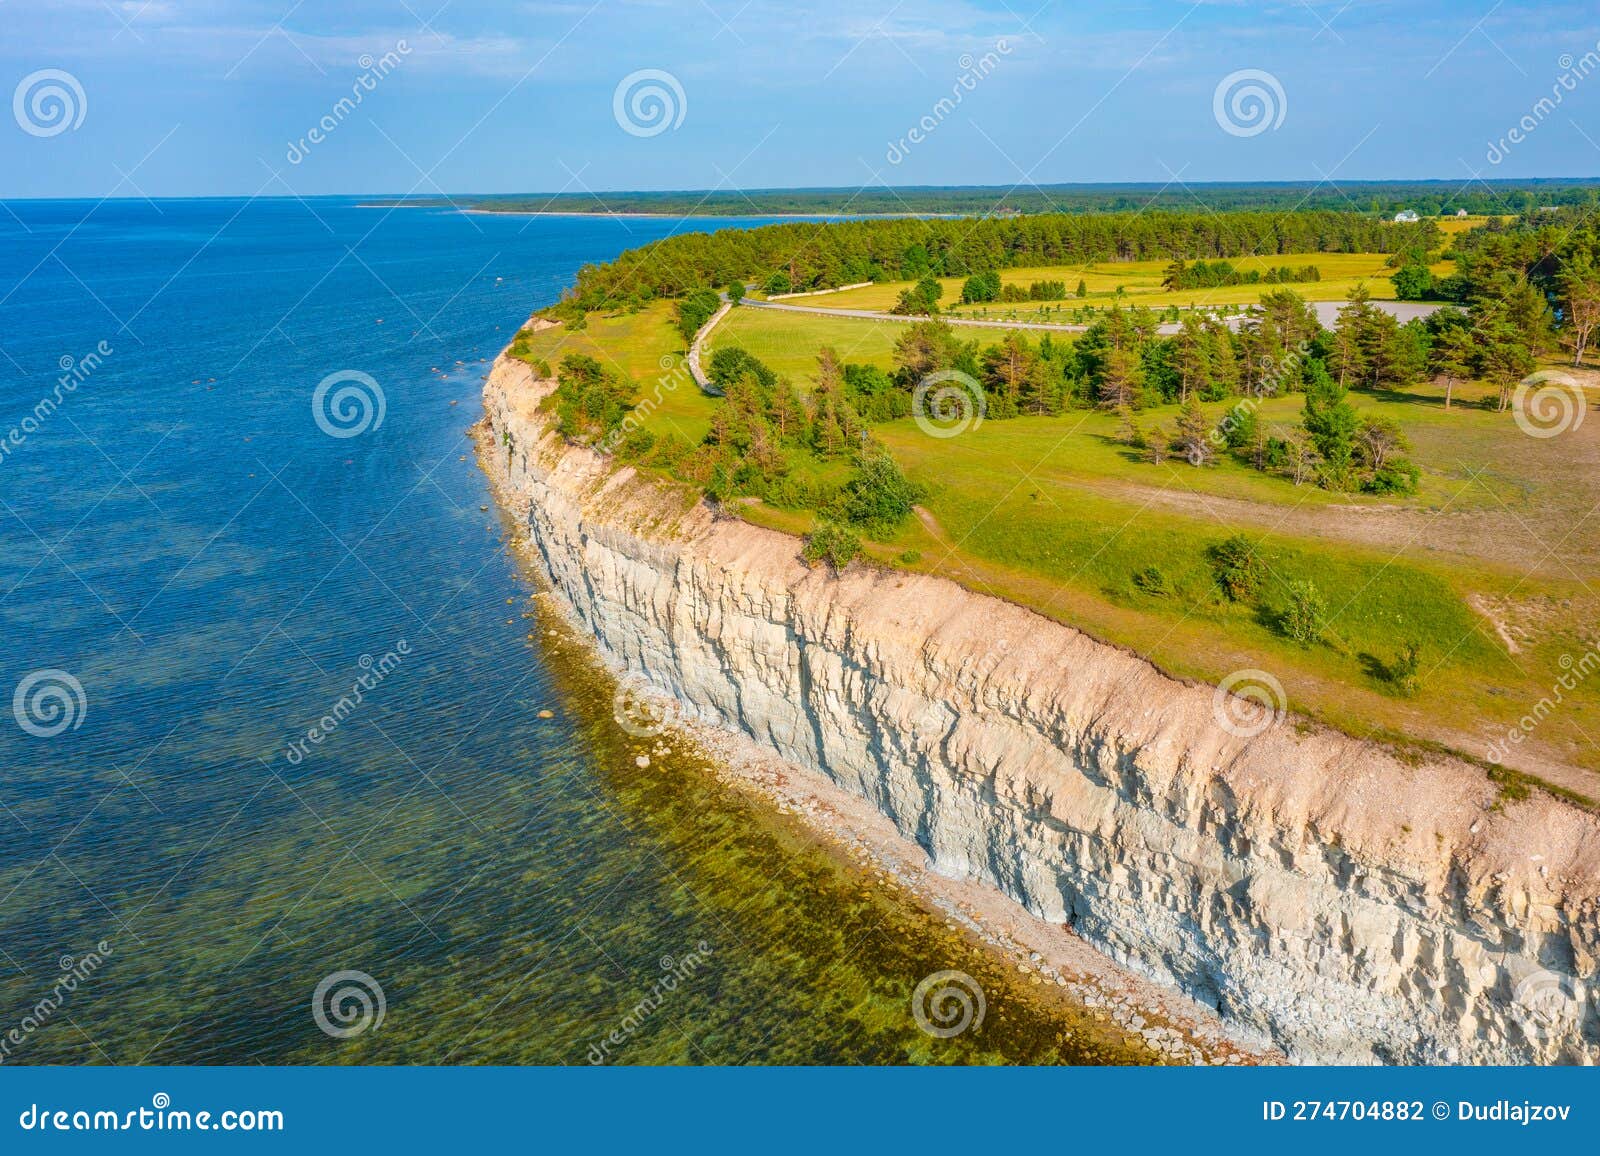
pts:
pixel 703 216
pixel 660 216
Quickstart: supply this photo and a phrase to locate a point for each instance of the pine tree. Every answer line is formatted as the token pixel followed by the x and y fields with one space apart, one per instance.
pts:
pixel 1193 362
pixel 1451 358
pixel 1350 340
pixel 1120 382
pixel 1330 422
pixel 1158 445
pixel 1194 434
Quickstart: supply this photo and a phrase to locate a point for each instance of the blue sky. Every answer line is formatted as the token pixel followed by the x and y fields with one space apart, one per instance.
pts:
pixel 202 97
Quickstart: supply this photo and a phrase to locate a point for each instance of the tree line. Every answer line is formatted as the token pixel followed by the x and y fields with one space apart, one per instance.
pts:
pixel 798 256
pixel 1429 198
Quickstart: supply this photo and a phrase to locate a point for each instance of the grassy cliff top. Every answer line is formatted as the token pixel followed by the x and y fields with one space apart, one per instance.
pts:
pixel 1057 514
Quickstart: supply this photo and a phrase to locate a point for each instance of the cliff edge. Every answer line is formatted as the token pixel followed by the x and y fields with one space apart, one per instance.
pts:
pixel 1317 890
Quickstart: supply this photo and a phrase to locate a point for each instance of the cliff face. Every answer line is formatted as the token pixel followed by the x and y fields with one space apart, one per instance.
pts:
pixel 1315 889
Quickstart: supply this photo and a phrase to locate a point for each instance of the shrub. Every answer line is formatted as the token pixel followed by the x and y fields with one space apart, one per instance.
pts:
pixel 1240 428
pixel 981 287
pixel 1406 670
pixel 1399 476
pixel 541 369
pixel 636 444
pixel 1158 445
pixel 911 557
pixel 1306 618
pixel 1237 568
pixel 591 399
pixel 669 449
pixel 729 363
pixel 1152 580
pixel 1413 283
pixel 879 496
pixel 1130 433
pixel 920 300
pixel 695 310
pixel 833 543
pixel 873 394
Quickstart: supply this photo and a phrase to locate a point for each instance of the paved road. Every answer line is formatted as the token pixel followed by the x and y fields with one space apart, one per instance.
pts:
pixel 1327 313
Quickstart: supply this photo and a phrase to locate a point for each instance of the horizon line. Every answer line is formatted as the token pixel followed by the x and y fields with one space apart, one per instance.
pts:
pixel 1159 186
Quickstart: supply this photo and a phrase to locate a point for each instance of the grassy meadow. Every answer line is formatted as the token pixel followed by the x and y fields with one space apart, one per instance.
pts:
pixel 644 346
pixel 1140 284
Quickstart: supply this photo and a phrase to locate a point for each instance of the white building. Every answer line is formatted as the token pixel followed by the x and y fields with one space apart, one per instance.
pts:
pixel 1406 217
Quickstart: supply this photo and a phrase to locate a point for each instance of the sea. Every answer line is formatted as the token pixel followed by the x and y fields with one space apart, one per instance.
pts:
pixel 296 764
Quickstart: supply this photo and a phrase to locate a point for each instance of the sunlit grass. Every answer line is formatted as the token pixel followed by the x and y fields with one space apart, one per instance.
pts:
pixel 1140 282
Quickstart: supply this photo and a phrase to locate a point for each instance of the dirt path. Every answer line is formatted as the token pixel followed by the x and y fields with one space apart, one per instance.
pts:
pixel 931 524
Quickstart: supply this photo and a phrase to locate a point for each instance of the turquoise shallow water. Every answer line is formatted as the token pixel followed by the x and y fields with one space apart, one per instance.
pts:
pixel 203 574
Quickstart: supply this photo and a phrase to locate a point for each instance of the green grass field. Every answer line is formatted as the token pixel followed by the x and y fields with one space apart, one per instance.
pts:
pixel 1051 512
pixel 1140 282
pixel 647 347
pixel 1057 515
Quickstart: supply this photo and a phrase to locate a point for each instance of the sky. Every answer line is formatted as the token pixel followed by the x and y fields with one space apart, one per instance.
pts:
pixel 153 98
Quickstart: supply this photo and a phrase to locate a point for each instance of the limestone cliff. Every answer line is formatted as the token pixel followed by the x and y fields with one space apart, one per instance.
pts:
pixel 1317 890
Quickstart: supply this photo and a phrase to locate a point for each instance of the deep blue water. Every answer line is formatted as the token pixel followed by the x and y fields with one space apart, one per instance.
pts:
pixel 183 541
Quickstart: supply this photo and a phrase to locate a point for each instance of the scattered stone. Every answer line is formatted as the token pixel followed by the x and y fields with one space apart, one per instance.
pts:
pixel 642 761
pixel 547 714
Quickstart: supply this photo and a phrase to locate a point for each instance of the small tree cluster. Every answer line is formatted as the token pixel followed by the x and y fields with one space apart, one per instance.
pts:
pixel 590 399
pixel 695 310
pixel 922 299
